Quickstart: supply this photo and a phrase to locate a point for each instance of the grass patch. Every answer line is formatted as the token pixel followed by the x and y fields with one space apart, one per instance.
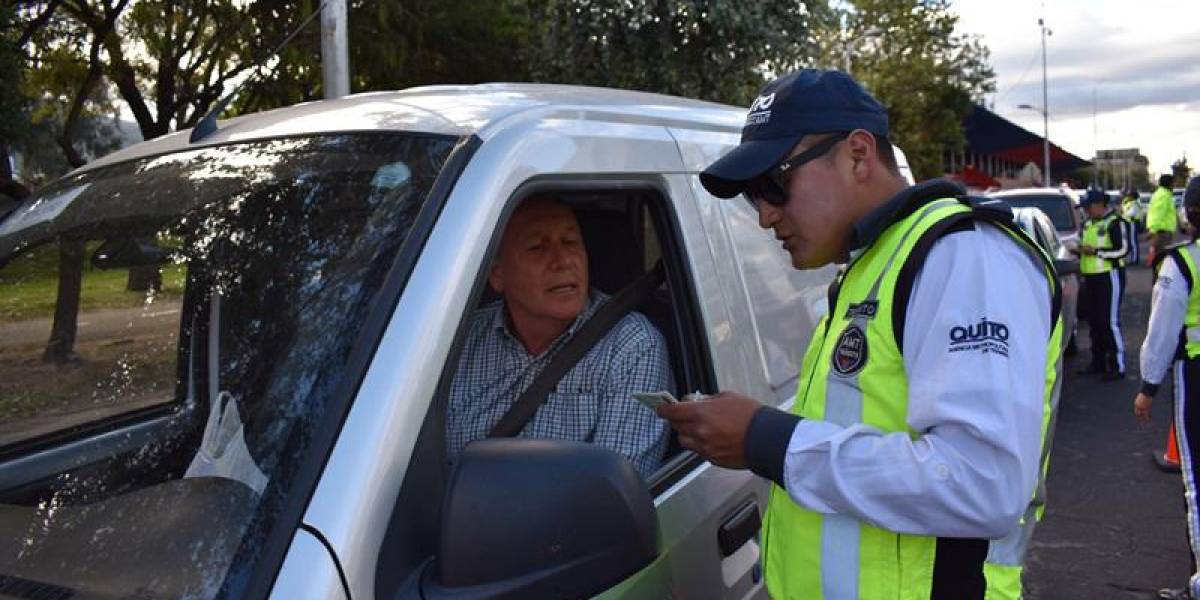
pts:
pixel 29 285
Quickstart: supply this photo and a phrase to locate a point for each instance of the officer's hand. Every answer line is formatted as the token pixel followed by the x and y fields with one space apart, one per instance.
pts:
pixel 714 427
pixel 1141 409
pixel 1086 249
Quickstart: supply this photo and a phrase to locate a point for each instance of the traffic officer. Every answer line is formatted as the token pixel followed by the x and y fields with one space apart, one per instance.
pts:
pixel 1161 220
pixel 1133 209
pixel 924 396
pixel 1127 211
pixel 1173 342
pixel 1102 247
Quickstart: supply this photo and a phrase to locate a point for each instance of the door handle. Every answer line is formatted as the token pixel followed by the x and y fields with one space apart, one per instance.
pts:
pixel 738 528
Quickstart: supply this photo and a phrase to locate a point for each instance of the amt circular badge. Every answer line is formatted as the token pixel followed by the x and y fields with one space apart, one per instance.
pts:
pixel 850 354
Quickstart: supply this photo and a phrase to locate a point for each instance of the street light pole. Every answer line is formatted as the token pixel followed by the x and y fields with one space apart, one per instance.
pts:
pixel 1045 108
pixel 335 55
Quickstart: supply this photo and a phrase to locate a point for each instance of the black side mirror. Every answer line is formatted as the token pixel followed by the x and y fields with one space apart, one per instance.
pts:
pixel 530 519
pixel 120 253
pixel 1066 267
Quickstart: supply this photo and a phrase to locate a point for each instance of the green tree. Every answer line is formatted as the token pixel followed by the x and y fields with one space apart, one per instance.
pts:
pixel 719 50
pixel 907 54
pixel 393 45
pixel 72 115
pixel 63 77
pixel 170 60
pixel 14 106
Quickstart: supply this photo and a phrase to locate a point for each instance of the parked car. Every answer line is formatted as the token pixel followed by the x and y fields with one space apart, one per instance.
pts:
pixel 1056 203
pixel 266 416
pixel 1042 230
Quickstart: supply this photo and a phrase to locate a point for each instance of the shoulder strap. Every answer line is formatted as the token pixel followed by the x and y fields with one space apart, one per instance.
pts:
pixel 1180 263
pixel 991 211
pixel 569 355
pixel 1169 251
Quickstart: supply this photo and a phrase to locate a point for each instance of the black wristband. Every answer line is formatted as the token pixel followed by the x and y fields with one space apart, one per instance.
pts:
pixel 767 440
pixel 1149 389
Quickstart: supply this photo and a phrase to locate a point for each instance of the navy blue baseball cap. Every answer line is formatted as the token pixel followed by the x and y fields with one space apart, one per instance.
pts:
pixel 1094 196
pixel 787 109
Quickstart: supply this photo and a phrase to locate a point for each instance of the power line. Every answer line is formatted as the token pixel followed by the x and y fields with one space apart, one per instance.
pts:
pixel 1021 79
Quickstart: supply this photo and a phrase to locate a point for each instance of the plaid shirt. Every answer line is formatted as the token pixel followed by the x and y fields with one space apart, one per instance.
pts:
pixel 592 402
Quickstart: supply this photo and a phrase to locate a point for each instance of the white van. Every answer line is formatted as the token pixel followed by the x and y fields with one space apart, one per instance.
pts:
pixel 264 414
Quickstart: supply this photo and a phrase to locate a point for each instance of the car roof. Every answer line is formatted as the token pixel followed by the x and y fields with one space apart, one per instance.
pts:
pixel 1030 192
pixel 457 110
pixel 1029 212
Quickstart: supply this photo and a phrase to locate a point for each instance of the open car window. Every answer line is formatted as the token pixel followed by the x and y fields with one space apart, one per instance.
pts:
pixel 172 331
pixel 627 232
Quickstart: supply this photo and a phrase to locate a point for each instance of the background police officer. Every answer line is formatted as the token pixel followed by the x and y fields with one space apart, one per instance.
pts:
pixel 917 429
pixel 1161 219
pixel 1103 246
pixel 1173 342
pixel 1126 211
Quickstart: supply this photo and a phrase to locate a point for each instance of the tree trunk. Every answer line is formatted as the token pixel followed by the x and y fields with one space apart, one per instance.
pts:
pixel 61 347
pixel 144 278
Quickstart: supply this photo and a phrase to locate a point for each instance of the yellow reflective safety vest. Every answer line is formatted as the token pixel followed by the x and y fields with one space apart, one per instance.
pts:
pixel 1161 216
pixel 1096 235
pixel 1189 255
pixel 813 556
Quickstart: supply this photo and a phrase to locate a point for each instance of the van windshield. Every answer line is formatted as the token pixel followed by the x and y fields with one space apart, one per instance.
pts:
pixel 172 332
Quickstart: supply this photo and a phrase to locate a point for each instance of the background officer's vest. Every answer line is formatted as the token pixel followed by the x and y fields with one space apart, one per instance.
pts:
pixel 853 372
pixel 1190 254
pixel 1095 234
pixel 1161 216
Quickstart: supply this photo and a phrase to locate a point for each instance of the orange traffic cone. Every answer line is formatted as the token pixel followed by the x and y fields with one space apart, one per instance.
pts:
pixel 1168 460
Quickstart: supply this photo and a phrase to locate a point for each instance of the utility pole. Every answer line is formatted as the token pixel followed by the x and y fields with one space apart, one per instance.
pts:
pixel 335 50
pixel 1095 143
pixel 1045 108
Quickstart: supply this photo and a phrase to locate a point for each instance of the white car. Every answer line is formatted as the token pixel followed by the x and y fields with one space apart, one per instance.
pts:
pixel 269 418
pixel 1042 230
pixel 1058 204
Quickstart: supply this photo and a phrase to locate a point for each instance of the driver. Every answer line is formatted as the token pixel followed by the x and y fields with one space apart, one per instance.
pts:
pixel 541 273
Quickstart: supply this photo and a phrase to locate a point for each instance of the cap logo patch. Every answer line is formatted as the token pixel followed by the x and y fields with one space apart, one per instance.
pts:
pixel 763 102
pixel 759 113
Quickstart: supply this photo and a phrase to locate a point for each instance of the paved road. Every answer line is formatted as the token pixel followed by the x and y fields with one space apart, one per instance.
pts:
pixel 1114 525
pixel 102 324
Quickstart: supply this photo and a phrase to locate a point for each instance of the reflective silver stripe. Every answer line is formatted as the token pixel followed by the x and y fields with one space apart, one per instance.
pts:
pixel 844 406
pixel 839 557
pixel 1187 466
pixel 1193 334
pixel 1114 316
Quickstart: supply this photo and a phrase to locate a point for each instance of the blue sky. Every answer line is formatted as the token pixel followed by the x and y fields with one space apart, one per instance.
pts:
pixel 1139 61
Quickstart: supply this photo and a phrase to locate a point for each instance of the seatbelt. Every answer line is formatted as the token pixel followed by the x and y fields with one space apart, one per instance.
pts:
pixel 569 355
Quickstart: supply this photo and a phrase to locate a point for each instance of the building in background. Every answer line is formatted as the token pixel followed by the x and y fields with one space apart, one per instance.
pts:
pixel 1122 168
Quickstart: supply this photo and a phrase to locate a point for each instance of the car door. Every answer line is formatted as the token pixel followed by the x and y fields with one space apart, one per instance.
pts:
pixel 376 506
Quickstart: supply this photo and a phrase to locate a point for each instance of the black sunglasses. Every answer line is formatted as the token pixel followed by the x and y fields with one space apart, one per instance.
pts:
pixel 771 187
